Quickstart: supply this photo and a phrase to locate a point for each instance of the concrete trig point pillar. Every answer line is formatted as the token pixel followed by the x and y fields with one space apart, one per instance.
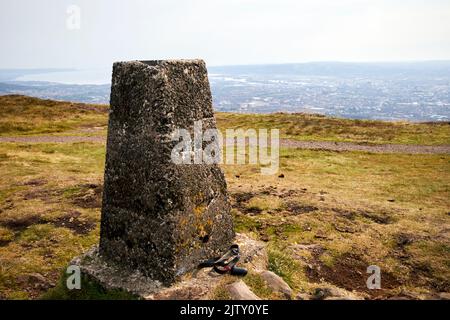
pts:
pixel 159 217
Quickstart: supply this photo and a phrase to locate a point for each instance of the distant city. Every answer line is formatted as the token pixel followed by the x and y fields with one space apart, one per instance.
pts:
pixel 415 91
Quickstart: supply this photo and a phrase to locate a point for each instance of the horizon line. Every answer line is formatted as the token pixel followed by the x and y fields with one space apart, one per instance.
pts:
pixel 248 64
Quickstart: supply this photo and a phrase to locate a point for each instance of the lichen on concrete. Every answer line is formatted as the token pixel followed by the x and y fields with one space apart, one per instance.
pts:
pixel 158 217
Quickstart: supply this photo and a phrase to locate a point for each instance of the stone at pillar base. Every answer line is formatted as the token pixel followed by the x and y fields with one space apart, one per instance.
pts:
pixel 197 285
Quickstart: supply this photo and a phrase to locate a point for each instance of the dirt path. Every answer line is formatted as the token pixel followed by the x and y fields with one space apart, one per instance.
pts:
pixel 312 145
pixel 381 148
pixel 53 139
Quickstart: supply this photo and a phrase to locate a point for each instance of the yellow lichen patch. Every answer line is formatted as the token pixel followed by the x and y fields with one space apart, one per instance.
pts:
pixel 199 210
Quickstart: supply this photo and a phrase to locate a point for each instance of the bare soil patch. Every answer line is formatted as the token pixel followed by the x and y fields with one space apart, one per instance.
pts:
pixel 296 208
pixel 22 222
pixel 90 197
pixel 71 221
pixel 349 272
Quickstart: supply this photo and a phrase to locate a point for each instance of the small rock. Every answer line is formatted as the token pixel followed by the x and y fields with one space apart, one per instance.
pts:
pixel 339 298
pixel 35 182
pixel 276 283
pixel 399 298
pixel 183 293
pixel 444 295
pixel 344 228
pixel 404 239
pixel 334 294
pixel 37 277
pixel 321 235
pixel 252 252
pixel 303 296
pixel 239 291
pixel 321 293
pixel 281 175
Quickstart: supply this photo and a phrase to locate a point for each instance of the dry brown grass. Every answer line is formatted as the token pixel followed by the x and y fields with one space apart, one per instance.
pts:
pixel 330 215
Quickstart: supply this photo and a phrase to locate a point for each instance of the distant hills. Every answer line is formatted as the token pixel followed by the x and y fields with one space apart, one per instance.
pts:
pixel 13 74
pixel 58 91
pixel 343 69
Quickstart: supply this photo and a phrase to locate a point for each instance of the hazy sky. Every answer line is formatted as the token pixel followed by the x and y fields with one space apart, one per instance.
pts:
pixel 35 34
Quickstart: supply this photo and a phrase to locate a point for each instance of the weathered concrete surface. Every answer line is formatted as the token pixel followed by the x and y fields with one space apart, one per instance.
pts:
pixel 158 217
pixel 110 275
pixel 196 285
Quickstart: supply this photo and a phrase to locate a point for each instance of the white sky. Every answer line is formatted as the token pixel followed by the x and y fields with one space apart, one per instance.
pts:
pixel 33 34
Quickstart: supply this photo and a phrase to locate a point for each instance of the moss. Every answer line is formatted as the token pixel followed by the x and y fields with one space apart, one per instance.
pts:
pixel 244 223
pixel 72 191
pixel 36 232
pixel 90 290
pixel 286 229
pixel 19 296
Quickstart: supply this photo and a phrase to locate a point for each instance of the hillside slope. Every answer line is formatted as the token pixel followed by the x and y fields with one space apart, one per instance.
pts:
pixel 21 115
pixel 325 216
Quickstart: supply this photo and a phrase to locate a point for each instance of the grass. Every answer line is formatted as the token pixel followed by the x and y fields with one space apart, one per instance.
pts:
pixel 283 265
pixel 21 115
pixel 43 226
pixel 89 290
pixel 257 284
pixel 391 210
pixel 320 128
pixel 351 203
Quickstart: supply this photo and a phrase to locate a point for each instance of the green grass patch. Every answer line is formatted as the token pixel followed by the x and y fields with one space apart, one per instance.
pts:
pixel 243 223
pixel 283 265
pixel 90 290
pixel 257 284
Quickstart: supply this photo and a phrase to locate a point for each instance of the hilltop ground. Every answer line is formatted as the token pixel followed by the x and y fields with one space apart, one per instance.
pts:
pixel 326 216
